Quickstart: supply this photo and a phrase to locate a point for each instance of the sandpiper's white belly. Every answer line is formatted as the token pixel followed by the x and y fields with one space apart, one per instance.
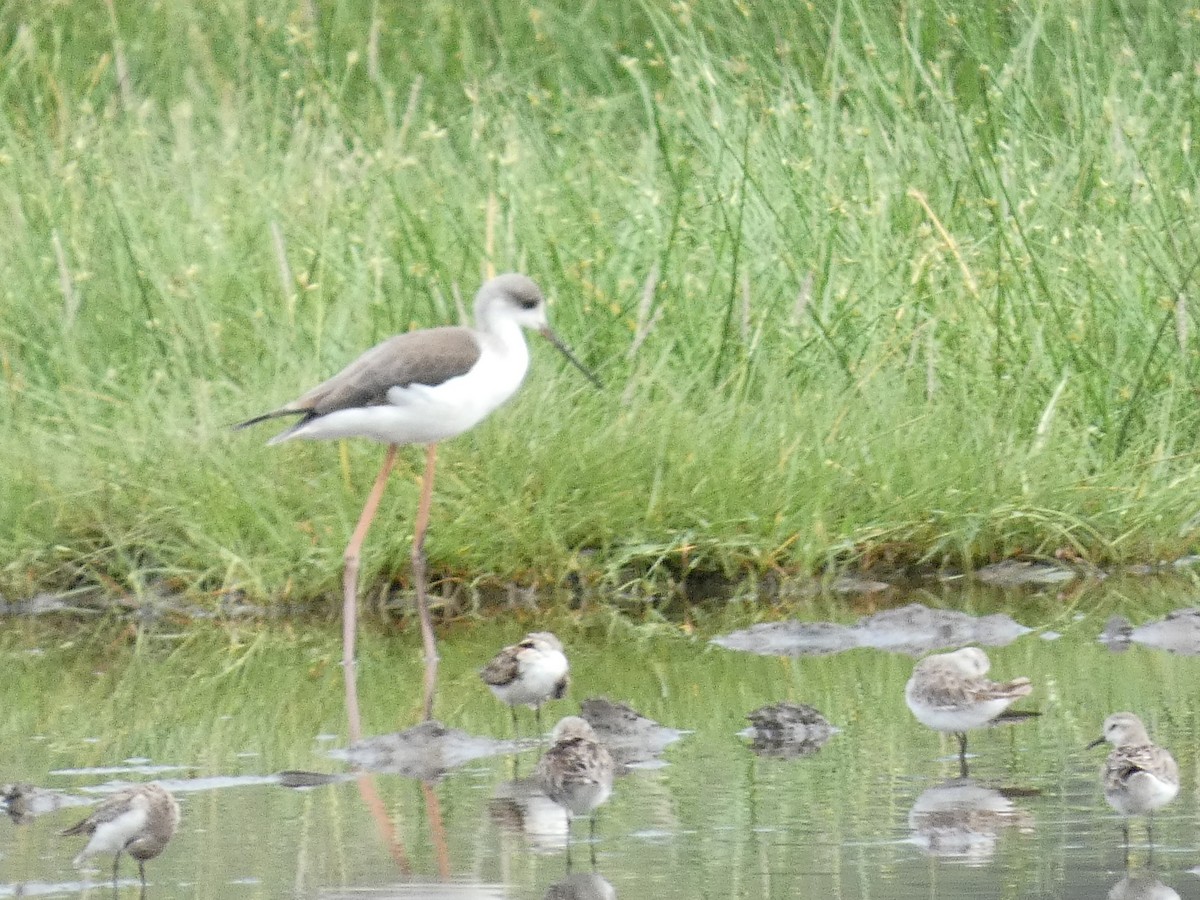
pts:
pixel 424 414
pixel 536 681
pixel 112 836
pixel 958 718
pixel 1140 793
pixel 580 798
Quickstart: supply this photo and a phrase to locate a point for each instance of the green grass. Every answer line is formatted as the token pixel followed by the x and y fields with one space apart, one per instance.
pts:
pixel 925 283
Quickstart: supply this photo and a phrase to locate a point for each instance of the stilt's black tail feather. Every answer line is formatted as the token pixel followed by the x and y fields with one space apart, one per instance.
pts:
pixel 275 414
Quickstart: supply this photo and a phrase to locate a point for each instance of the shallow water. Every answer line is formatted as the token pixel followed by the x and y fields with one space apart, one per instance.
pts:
pixel 877 812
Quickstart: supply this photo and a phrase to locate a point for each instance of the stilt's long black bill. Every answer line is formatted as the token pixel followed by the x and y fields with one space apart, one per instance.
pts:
pixel 553 338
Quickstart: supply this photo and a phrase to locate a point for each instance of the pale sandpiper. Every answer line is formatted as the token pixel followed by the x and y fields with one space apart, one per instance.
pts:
pixel 949 692
pixel 529 673
pixel 138 820
pixel 576 772
pixel 421 387
pixel 1139 776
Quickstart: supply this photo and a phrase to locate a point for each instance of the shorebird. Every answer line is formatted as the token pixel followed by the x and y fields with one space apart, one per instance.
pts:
pixel 529 673
pixel 950 692
pixel 1139 776
pixel 421 387
pixel 787 729
pixel 576 772
pixel 138 821
pixel 582 886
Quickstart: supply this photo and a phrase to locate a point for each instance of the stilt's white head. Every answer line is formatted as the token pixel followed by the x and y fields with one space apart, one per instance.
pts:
pixel 513 297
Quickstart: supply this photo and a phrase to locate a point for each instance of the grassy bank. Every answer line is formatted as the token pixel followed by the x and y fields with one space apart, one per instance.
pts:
pixel 860 282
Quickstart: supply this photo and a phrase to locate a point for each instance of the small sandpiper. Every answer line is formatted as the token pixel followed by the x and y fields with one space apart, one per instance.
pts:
pixel 138 820
pixel 949 692
pixel 576 772
pixel 1139 776
pixel 529 673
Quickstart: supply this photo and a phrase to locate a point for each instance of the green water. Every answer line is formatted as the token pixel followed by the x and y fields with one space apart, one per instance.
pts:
pixel 716 821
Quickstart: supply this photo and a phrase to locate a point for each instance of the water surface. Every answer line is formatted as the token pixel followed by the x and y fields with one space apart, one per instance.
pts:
pixel 878 812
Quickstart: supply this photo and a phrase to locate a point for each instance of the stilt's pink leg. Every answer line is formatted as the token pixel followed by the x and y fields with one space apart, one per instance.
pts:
pixel 350 592
pixel 418 567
